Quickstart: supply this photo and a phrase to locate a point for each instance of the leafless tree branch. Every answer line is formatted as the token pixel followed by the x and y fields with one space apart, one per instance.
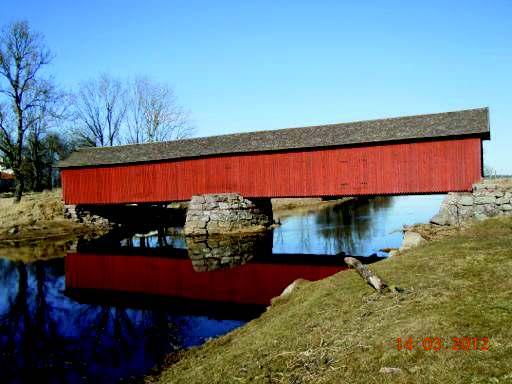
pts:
pixel 100 109
pixel 23 91
pixel 154 114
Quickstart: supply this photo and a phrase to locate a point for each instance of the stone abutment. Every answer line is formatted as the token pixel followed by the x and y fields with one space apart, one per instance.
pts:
pixel 489 198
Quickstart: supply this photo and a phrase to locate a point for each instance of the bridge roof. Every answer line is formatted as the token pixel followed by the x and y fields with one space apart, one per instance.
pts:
pixel 418 127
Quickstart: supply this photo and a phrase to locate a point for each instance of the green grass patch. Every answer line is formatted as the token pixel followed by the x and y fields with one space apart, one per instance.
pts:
pixel 339 330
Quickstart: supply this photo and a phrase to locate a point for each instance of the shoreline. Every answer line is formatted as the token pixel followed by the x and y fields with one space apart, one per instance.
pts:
pixel 37 221
pixel 40 216
pixel 285 207
pixel 340 330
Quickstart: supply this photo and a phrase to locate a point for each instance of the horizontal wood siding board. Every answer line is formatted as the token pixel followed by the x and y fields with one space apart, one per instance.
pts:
pixel 387 169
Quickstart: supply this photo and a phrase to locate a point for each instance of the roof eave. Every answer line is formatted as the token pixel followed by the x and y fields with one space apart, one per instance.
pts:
pixel 483 135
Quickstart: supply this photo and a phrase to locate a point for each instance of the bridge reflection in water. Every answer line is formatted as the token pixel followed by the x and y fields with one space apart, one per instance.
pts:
pixel 115 307
pixel 227 277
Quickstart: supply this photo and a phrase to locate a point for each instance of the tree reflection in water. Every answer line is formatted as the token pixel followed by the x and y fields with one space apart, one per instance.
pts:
pixel 350 228
pixel 346 227
pixel 48 337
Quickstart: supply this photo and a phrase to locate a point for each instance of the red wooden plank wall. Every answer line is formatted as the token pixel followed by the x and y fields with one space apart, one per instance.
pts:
pixel 400 168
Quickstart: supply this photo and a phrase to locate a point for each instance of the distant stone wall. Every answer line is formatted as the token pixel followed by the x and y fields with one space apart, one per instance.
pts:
pixel 225 213
pixel 489 198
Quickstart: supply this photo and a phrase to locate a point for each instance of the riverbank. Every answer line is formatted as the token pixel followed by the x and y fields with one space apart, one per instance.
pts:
pixel 285 207
pixel 38 218
pixel 339 330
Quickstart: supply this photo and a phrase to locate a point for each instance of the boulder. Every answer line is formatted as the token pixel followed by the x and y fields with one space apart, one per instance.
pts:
pixel 411 240
pixel 448 215
pixel 13 231
pixel 487 199
pixel 465 200
pixel 290 288
pixel 393 252
pixel 502 200
pixel 390 370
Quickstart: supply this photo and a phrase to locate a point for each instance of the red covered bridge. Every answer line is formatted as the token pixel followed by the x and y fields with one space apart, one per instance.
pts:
pixel 416 154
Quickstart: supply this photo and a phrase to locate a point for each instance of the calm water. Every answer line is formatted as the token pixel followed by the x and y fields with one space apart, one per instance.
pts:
pixel 358 229
pixel 112 309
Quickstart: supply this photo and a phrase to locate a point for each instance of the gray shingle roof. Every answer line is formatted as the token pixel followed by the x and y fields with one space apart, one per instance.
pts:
pixel 439 125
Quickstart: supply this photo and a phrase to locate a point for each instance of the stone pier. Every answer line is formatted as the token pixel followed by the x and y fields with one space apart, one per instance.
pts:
pixel 227 213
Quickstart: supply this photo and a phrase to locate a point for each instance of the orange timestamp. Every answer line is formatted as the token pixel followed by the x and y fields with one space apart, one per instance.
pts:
pixel 439 344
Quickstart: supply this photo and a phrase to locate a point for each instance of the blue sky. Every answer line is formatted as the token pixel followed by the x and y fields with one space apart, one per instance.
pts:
pixel 241 66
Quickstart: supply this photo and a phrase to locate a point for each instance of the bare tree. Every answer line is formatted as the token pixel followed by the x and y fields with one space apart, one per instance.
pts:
pixel 23 91
pixel 39 139
pixel 153 113
pixel 100 109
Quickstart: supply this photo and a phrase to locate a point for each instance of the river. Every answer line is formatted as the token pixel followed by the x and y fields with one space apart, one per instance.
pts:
pixel 112 309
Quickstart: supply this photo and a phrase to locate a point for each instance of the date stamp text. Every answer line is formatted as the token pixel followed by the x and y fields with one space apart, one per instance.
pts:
pixel 439 343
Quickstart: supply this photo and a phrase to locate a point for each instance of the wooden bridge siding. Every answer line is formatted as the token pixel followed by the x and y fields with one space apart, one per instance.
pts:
pixel 405 168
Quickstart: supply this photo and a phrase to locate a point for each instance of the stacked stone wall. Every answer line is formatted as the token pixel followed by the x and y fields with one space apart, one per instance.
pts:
pixel 224 213
pixel 489 198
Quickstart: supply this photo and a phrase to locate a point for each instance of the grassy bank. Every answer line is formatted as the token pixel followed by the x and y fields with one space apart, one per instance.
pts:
pixel 339 331
pixel 27 228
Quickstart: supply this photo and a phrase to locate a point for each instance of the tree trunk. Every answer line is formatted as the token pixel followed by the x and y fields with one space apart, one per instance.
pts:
pixel 372 279
pixel 19 150
pixel 19 189
pixel 38 174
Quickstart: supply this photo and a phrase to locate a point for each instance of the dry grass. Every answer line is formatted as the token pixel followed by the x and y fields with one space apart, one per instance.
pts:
pixel 33 208
pixel 432 232
pixel 285 207
pixel 501 181
pixel 339 331
pixel 38 217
